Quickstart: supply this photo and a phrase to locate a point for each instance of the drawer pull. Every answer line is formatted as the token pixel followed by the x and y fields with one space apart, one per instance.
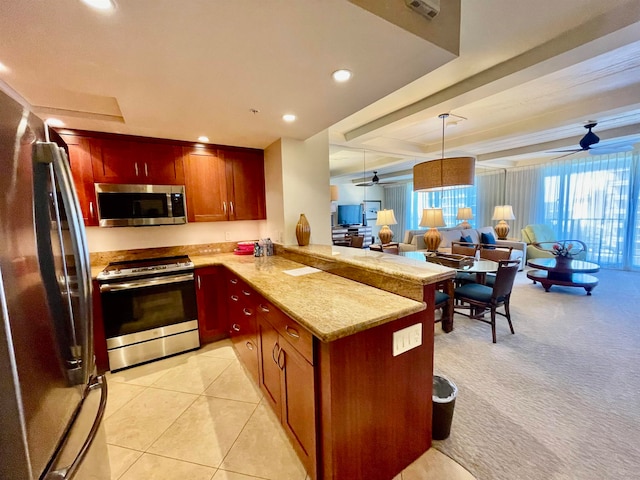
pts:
pixel 236 327
pixel 249 346
pixel 246 293
pixel 264 308
pixel 234 298
pixel 233 280
pixel 275 348
pixel 291 331
pixel 247 312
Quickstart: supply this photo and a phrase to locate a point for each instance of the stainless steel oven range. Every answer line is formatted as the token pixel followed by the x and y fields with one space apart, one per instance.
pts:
pixel 149 309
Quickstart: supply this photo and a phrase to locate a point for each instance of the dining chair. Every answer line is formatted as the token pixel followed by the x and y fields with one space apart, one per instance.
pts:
pixel 468 249
pixel 444 303
pixel 489 252
pixel 482 297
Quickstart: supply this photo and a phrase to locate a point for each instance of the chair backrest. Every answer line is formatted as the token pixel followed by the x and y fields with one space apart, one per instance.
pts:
pixel 356 241
pixel 495 254
pixel 538 233
pixel 463 248
pixel 505 276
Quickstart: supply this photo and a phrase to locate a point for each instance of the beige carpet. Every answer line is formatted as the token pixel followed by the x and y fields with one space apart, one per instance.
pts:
pixel 560 399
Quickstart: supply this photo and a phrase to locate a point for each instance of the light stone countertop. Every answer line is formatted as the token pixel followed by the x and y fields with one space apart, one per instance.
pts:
pixel 409 266
pixel 329 306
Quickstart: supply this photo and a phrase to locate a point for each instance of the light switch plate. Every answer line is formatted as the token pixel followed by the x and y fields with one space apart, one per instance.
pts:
pixel 407 338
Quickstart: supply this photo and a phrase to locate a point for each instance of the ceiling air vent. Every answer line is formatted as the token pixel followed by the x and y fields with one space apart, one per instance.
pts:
pixel 426 8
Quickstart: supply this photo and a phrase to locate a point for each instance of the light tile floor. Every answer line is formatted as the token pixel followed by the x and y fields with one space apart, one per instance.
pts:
pixel 198 416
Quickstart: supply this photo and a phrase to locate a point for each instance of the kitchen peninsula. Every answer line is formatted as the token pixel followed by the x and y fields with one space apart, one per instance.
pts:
pixel 330 352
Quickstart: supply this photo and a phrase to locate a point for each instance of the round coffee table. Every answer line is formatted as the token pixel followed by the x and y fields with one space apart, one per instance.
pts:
pixel 572 273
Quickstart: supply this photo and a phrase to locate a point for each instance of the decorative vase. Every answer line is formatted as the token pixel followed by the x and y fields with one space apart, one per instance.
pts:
pixel 303 231
pixel 562 262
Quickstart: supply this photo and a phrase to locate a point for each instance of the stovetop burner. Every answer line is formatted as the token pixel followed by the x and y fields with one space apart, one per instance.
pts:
pixel 146 267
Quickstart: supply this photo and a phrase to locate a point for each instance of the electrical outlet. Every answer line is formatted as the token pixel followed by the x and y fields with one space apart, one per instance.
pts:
pixel 227 235
pixel 407 338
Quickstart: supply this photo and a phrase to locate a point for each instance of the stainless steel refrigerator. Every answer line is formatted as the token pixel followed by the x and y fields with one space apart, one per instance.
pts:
pixel 51 402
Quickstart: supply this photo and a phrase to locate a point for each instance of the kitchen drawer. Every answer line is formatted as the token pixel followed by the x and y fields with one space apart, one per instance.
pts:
pixel 299 338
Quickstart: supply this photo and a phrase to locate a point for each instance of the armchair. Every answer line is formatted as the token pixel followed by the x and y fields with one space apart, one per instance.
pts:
pixel 543 234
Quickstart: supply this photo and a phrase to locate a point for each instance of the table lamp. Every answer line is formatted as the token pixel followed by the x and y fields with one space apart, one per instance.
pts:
pixel 502 213
pixel 385 218
pixel 464 213
pixel 432 218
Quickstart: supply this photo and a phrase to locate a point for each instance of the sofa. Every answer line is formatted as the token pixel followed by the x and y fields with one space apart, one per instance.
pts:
pixel 414 240
pixel 544 233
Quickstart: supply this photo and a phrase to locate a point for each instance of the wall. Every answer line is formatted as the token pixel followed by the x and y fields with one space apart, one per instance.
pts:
pixel 300 169
pixel 126 238
pixel 349 194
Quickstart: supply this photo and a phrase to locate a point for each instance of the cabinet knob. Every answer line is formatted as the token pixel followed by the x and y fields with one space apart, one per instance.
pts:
pixel 199 286
pixel 276 348
pixel 146 170
pixel 224 207
pixel 249 345
pixel 264 308
pixel 135 165
pixel 233 281
pixel 235 327
pixel 247 312
pixel 246 293
pixel 231 208
pixel 91 215
pixel 234 298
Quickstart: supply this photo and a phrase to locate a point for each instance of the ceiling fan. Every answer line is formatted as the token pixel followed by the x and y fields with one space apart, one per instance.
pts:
pixel 374 181
pixel 590 139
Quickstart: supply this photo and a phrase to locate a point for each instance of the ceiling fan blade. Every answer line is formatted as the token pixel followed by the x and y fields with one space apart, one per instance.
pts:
pixel 566 155
pixel 366 184
pixel 573 150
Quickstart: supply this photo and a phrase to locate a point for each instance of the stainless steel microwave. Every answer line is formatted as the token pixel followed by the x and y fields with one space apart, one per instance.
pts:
pixel 129 205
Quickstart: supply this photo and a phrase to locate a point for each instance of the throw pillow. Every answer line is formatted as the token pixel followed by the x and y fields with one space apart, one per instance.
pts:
pixel 466 239
pixel 488 239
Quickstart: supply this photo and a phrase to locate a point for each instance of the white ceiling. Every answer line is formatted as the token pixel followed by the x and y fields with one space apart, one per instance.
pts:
pixel 527 77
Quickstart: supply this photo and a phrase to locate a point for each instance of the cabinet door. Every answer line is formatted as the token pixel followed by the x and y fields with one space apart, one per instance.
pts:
pixel 269 372
pixel 206 189
pixel 162 164
pixel 212 324
pixel 298 402
pixel 117 161
pixel 80 160
pixel 245 183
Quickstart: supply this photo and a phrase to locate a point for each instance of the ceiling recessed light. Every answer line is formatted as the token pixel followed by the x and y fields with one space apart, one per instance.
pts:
pixel 203 139
pixel 3 67
pixel 342 75
pixel 54 122
pixel 289 117
pixel 104 5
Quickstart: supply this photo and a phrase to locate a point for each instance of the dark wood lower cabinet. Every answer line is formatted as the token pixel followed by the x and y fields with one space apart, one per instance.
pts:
pixel 288 383
pixel 351 409
pixel 212 302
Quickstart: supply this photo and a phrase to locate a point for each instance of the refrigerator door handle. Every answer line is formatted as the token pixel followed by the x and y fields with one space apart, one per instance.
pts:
pixel 67 473
pixel 49 152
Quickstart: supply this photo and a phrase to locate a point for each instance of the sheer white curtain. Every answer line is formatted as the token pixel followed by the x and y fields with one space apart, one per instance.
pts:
pixel 395 198
pixel 593 198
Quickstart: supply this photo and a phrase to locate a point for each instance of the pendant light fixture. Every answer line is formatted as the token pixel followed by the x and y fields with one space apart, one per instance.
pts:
pixel 445 172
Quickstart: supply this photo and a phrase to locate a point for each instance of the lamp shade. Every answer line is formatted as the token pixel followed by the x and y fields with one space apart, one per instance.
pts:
pixel 334 193
pixel 386 217
pixel 464 213
pixel 432 217
pixel 446 172
pixel 503 212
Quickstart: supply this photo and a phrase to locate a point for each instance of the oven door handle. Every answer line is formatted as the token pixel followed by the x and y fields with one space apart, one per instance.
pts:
pixel 114 287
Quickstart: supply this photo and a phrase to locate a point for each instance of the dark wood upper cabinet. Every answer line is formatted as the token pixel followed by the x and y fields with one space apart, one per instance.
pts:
pixel 130 161
pixel 81 169
pixel 206 187
pixel 224 184
pixel 245 184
